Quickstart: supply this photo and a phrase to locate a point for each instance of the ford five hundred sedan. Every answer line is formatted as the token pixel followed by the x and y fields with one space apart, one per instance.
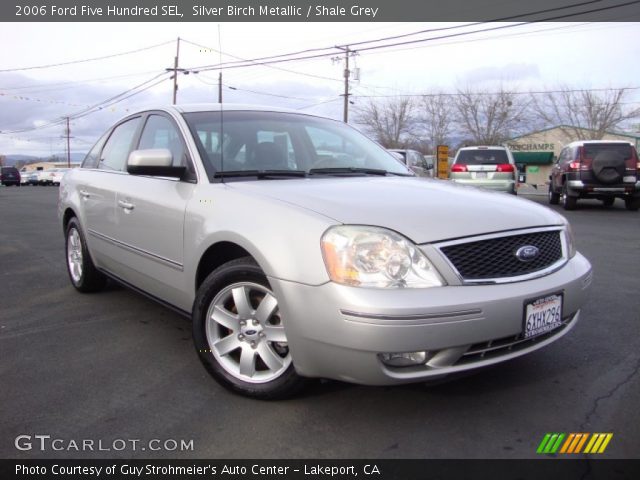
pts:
pixel 301 249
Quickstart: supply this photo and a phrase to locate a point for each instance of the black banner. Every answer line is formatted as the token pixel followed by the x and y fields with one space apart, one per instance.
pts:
pixel 547 469
pixel 316 11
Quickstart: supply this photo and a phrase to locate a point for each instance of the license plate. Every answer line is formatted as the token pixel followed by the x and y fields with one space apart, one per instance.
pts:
pixel 542 315
pixel 481 174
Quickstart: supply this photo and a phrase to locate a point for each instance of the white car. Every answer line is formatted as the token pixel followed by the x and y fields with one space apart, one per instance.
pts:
pixel 56 175
pixel 44 177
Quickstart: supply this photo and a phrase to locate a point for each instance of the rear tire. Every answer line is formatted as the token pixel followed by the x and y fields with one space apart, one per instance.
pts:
pixel 632 204
pixel 568 202
pixel 239 335
pixel 83 274
pixel 554 198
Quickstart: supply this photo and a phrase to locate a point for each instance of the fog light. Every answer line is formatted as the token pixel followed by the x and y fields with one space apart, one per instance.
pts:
pixel 403 359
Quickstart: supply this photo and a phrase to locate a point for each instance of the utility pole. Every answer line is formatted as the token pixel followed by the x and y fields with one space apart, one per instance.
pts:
pixel 347 73
pixel 67 135
pixel 220 87
pixel 175 71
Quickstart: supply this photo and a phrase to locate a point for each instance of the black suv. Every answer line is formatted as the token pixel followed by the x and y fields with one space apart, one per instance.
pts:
pixel 10 176
pixel 601 169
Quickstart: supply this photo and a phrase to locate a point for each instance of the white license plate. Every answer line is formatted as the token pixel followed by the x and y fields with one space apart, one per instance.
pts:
pixel 542 315
pixel 481 174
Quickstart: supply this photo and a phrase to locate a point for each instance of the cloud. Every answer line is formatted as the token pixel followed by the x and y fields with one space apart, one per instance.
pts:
pixel 42 103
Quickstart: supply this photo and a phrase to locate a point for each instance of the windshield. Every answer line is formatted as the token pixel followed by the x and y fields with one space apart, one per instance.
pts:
pixel 482 157
pixel 285 144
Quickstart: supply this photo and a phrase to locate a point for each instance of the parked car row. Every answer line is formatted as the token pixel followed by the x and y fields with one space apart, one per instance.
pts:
pixel 11 176
pixel 591 169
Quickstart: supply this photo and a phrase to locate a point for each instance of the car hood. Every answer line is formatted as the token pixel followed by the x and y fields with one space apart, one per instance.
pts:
pixel 422 210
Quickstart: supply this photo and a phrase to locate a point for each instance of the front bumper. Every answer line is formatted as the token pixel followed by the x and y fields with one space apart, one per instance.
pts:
pixel 337 332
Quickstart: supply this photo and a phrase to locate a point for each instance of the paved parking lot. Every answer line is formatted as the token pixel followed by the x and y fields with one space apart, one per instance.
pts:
pixel 115 365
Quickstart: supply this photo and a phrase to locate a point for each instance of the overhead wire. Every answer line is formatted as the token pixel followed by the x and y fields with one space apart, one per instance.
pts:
pixel 93 59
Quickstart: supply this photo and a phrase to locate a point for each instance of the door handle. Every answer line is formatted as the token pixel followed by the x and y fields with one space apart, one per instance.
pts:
pixel 126 205
pixel 84 194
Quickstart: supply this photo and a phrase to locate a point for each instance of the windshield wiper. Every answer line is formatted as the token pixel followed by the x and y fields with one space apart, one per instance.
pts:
pixel 352 170
pixel 260 173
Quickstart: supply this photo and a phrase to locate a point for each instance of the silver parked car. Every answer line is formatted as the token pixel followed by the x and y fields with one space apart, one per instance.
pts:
pixel 294 262
pixel 487 167
pixel 418 163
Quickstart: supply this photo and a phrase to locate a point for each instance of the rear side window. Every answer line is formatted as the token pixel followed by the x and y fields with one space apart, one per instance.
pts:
pixel 117 148
pixel 590 150
pixel 93 157
pixel 482 157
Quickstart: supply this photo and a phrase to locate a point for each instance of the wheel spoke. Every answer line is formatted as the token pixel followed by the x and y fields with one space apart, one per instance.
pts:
pixel 226 345
pixel 269 357
pixel 275 333
pixel 241 299
pixel 224 318
pixel 248 362
pixel 266 308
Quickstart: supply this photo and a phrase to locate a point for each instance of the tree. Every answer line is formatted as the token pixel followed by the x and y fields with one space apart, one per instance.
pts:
pixel 436 112
pixel 585 114
pixel 390 121
pixel 490 118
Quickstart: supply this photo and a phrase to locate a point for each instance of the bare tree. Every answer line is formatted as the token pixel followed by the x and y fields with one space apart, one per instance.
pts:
pixel 490 118
pixel 585 114
pixel 390 121
pixel 436 112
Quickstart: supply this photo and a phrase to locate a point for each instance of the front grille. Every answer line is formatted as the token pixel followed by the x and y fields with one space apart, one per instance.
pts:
pixel 506 345
pixel 496 257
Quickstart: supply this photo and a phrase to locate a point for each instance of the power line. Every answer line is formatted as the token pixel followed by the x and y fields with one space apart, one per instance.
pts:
pixel 71 83
pixel 96 107
pixel 104 57
pixel 311 75
pixel 539 92
pixel 279 58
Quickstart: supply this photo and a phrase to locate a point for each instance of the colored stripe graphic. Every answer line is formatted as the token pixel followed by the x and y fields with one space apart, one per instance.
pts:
pixel 573 443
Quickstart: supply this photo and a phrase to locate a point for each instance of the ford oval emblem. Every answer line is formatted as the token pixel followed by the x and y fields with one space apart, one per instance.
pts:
pixel 527 253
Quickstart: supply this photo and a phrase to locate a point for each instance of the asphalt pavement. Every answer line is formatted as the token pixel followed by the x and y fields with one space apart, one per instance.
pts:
pixel 117 366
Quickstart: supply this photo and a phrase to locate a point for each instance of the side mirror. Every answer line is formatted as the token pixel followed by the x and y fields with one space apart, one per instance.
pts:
pixel 154 162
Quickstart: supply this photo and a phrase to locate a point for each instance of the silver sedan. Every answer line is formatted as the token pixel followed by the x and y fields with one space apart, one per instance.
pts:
pixel 302 249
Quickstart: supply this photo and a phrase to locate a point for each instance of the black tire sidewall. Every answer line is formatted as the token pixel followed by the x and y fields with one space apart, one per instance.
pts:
pixel 568 202
pixel 91 280
pixel 240 270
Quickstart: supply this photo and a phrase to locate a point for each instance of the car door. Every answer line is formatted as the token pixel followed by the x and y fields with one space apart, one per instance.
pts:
pixel 97 182
pixel 150 215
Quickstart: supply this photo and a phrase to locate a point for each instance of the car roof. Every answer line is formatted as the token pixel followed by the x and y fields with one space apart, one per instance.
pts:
pixel 216 107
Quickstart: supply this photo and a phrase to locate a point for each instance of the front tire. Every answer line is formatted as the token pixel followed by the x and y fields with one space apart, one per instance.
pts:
pixel 239 335
pixel 568 202
pixel 554 198
pixel 632 204
pixel 82 272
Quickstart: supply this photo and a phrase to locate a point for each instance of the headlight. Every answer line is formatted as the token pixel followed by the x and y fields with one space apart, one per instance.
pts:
pixel 570 240
pixel 376 257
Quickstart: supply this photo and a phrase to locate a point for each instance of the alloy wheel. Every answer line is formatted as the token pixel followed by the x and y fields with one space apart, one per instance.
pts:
pixel 245 333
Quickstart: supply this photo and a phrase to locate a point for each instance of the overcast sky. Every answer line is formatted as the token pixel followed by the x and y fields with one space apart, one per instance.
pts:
pixel 536 56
